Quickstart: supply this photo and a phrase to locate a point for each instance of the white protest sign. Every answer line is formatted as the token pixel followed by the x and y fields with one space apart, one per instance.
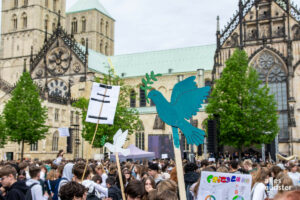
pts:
pixel 104 96
pixel 164 156
pixel 224 186
pixel 63 132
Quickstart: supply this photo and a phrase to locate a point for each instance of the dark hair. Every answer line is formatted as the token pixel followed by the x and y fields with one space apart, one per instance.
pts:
pixel 7 170
pixel 22 173
pixel 97 178
pixel 190 167
pixel 60 151
pixel 276 170
pixel 70 190
pixel 135 189
pixel 22 165
pixel 204 163
pixel 234 164
pixel 78 170
pixel 34 170
pixel 151 180
pixel 153 166
pixel 110 180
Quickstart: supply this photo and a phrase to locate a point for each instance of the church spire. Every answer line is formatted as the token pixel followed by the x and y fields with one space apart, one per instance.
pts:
pixel 218 32
pixel 218 23
pixel 241 22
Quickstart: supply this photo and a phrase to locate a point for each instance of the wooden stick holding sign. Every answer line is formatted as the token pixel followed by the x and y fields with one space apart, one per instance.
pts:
pixel 101 110
pixel 185 102
pixel 119 141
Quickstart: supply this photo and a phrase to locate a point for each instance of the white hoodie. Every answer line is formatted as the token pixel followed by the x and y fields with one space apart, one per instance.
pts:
pixel 36 190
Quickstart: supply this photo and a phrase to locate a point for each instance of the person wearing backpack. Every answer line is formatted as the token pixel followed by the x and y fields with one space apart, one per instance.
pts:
pixel 35 191
pixel 14 190
pixel 66 178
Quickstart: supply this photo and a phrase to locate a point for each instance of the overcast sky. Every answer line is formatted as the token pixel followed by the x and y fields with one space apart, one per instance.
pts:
pixel 148 25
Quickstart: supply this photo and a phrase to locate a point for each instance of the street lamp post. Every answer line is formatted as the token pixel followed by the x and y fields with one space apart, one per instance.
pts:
pixel 201 83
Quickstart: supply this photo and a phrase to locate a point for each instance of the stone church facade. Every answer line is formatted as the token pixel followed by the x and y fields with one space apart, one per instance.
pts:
pixel 269 31
pixel 34 36
pixel 64 51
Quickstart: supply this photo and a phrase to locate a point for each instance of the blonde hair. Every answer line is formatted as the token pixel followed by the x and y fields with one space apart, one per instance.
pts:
pixel 52 175
pixel 222 169
pixel 284 181
pixel 166 185
pixel 248 162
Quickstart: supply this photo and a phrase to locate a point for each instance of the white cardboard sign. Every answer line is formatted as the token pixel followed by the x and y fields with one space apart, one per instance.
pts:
pixel 64 132
pixel 224 186
pixel 107 97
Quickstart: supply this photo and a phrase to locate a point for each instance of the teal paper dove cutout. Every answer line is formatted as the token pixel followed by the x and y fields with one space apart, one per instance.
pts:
pixel 185 102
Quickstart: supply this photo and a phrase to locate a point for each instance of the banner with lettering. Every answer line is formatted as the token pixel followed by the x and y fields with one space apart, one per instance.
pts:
pixel 224 186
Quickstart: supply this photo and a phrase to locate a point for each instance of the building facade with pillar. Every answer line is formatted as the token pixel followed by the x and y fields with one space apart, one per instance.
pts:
pixel 269 32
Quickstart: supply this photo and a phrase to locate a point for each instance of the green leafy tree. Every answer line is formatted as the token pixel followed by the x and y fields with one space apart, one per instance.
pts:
pixel 24 114
pixel 125 118
pixel 3 134
pixel 246 111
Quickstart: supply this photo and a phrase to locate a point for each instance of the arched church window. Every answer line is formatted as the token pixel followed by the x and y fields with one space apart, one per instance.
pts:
pixel 24 20
pixel 106 49
pixel 54 5
pixel 101 26
pixel 106 29
pixel 25 3
pixel 140 137
pixel 132 99
pixel 55 141
pixel 16 3
pixel 142 98
pixel 82 41
pixel 83 21
pixel 74 25
pixel 46 23
pixel 15 22
pixel 101 46
pixel 46 3
pixel 54 25
pixel 272 72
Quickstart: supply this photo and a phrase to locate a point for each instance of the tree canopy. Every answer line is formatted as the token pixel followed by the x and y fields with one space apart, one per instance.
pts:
pixel 243 106
pixel 24 115
pixel 125 118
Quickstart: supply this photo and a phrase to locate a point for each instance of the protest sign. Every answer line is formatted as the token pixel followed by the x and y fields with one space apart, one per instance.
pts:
pixel 224 186
pixel 64 132
pixel 103 98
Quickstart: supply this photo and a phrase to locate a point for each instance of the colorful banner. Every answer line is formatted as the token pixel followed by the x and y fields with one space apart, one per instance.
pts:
pixel 224 186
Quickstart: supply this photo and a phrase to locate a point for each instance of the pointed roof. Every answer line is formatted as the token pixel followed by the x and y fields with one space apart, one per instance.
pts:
pixel 85 5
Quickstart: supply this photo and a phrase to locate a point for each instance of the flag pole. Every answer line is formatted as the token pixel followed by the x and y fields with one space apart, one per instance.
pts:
pixel 96 129
pixel 120 174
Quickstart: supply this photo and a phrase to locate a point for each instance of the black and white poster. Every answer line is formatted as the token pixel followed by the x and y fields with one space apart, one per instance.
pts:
pixel 104 96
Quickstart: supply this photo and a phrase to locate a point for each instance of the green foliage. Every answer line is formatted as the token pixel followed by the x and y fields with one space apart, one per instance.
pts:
pixel 125 118
pixel 24 114
pixel 3 134
pixel 246 111
pixel 148 81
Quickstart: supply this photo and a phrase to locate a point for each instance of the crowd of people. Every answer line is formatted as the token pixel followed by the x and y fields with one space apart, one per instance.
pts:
pixel 143 180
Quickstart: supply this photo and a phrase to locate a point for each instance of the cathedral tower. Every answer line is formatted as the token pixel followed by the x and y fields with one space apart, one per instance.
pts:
pixel 89 21
pixel 24 25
